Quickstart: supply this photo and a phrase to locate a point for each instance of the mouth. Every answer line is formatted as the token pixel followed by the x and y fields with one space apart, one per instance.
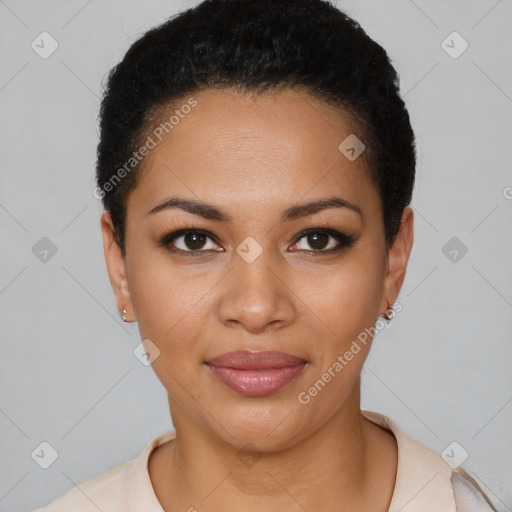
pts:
pixel 256 373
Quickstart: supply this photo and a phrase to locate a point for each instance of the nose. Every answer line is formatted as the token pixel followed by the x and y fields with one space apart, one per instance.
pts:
pixel 255 296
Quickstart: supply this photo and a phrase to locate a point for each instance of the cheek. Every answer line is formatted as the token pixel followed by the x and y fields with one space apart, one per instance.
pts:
pixel 169 303
pixel 345 297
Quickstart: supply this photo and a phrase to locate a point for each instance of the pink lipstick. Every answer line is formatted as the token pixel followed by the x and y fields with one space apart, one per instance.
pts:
pixel 256 373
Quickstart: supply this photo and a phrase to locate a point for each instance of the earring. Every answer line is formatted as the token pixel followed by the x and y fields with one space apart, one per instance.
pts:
pixel 389 314
pixel 124 315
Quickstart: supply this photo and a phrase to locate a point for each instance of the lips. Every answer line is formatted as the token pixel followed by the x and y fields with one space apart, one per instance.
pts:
pixel 256 373
pixel 264 360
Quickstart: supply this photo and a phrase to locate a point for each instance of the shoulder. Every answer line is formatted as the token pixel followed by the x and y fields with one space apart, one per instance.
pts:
pixel 421 468
pixel 103 492
pixel 469 497
pixel 125 487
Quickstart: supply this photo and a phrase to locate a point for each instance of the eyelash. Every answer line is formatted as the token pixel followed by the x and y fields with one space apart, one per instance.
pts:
pixel 344 241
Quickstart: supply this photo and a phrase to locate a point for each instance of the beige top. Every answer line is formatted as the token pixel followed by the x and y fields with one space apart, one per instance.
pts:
pixel 424 482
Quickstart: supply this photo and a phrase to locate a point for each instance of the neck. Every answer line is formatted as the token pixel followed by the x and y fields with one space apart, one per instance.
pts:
pixel 332 469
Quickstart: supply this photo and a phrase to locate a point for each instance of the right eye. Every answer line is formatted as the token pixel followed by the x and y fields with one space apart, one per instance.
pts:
pixel 188 241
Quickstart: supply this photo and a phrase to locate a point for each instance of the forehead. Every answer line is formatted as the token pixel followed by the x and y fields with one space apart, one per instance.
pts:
pixel 250 150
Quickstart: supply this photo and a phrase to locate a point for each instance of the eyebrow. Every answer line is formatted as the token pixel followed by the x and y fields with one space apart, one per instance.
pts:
pixel 210 212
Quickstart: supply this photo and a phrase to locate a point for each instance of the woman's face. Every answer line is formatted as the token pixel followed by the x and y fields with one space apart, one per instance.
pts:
pixel 255 281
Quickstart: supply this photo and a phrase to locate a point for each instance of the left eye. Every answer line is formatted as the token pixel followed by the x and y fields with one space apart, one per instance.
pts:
pixel 319 240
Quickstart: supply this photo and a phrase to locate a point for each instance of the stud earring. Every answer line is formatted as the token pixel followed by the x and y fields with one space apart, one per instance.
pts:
pixel 389 314
pixel 124 315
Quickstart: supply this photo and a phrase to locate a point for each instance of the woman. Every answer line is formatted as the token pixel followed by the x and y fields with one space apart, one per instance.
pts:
pixel 256 166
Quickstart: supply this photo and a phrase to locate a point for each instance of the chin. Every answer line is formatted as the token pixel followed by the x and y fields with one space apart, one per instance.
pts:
pixel 270 425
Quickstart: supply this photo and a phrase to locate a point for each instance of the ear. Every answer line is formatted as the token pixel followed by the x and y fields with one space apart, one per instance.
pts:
pixel 116 267
pixel 398 257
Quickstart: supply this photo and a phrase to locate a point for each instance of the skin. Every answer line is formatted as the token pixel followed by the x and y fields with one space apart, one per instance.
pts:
pixel 254 157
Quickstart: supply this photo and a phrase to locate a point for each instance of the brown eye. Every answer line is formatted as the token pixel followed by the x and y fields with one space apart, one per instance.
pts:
pixel 190 241
pixel 194 241
pixel 318 240
pixel 323 241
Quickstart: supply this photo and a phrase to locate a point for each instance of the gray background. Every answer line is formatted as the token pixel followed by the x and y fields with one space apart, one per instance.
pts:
pixel 441 369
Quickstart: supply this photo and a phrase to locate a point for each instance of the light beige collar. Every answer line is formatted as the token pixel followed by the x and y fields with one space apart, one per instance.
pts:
pixel 422 481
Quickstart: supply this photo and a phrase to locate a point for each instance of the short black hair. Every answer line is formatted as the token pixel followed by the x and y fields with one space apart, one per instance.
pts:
pixel 257 46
